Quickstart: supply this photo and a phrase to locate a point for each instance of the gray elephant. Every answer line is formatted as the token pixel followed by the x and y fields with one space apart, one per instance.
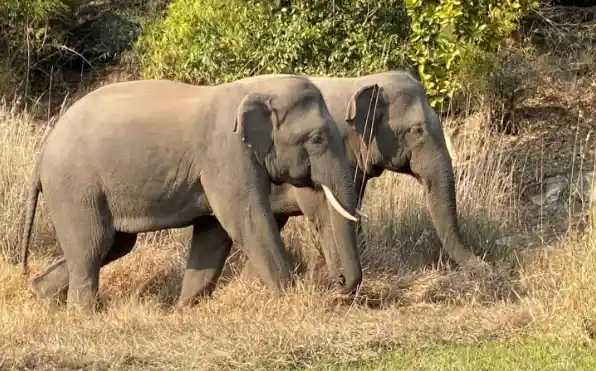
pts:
pixel 142 156
pixel 386 123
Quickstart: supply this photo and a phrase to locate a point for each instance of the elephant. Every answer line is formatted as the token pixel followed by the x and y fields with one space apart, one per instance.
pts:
pixel 386 123
pixel 145 155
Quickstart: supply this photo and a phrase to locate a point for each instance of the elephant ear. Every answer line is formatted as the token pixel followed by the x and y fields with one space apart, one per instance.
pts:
pixel 255 120
pixel 364 103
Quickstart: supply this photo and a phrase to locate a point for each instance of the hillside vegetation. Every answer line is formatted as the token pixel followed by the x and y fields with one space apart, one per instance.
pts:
pixel 517 97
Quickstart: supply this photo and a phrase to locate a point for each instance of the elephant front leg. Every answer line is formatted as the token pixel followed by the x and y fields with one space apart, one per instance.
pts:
pixel 210 246
pixel 248 270
pixel 246 215
pixel 338 240
pixel 326 252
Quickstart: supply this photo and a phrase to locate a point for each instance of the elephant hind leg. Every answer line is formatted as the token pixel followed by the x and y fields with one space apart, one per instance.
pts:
pixel 84 250
pixel 123 244
pixel 210 246
pixel 85 229
pixel 52 283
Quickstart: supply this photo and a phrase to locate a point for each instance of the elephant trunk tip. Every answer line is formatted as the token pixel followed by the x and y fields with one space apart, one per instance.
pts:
pixel 347 286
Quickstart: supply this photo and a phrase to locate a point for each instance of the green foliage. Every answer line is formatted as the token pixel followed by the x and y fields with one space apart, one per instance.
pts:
pixel 41 41
pixel 31 23
pixel 549 351
pixel 31 10
pixel 213 41
pixel 447 32
pixel 28 27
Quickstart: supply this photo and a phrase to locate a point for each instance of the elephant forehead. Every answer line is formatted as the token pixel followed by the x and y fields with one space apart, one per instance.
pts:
pixel 309 111
pixel 416 110
pixel 409 108
pixel 304 123
pixel 301 101
pixel 291 88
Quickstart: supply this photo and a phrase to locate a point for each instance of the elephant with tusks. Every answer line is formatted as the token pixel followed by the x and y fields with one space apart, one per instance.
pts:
pixel 141 156
pixel 386 123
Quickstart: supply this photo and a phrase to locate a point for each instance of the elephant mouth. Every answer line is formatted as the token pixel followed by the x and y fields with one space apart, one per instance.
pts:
pixel 307 183
pixel 303 183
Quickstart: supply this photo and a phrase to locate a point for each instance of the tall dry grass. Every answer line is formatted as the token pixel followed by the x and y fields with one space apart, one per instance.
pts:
pixel 19 139
pixel 410 293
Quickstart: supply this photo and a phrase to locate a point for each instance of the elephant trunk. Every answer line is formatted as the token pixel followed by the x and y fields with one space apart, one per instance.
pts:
pixel 436 172
pixel 343 230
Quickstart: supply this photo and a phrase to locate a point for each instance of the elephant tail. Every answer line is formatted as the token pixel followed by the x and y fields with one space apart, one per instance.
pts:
pixel 34 191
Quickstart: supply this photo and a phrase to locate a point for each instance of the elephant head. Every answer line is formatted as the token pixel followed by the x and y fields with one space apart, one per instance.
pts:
pixel 295 139
pixel 401 132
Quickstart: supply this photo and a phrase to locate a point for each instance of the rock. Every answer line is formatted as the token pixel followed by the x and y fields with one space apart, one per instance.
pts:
pixel 550 192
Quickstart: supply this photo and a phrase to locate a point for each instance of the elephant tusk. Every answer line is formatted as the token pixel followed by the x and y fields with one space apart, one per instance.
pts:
pixel 336 205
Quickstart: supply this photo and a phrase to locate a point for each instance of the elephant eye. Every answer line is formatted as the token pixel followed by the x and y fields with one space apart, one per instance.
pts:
pixel 317 139
pixel 417 130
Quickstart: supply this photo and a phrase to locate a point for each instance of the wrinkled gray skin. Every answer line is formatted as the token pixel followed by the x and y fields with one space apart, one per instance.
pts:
pixel 142 156
pixel 407 137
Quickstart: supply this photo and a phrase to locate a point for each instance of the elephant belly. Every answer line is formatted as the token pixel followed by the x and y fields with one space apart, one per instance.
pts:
pixel 156 214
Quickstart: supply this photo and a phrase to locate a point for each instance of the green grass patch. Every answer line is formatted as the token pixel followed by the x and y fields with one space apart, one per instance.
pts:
pixel 528 354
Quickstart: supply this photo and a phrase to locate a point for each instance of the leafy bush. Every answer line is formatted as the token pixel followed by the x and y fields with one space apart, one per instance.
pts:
pixel 26 26
pixel 212 41
pixel 45 42
pixel 447 32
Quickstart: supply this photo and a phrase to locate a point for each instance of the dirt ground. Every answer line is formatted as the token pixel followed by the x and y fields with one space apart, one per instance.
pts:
pixel 557 123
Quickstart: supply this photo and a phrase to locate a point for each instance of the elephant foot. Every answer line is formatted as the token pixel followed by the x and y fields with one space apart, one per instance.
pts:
pixel 315 273
pixel 52 283
pixel 188 300
pixel 83 296
pixel 189 303
pixel 85 307
pixel 249 273
pixel 477 266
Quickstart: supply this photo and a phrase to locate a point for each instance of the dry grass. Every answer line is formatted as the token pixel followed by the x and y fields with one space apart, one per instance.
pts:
pixel 407 298
pixel 20 140
pixel 411 294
